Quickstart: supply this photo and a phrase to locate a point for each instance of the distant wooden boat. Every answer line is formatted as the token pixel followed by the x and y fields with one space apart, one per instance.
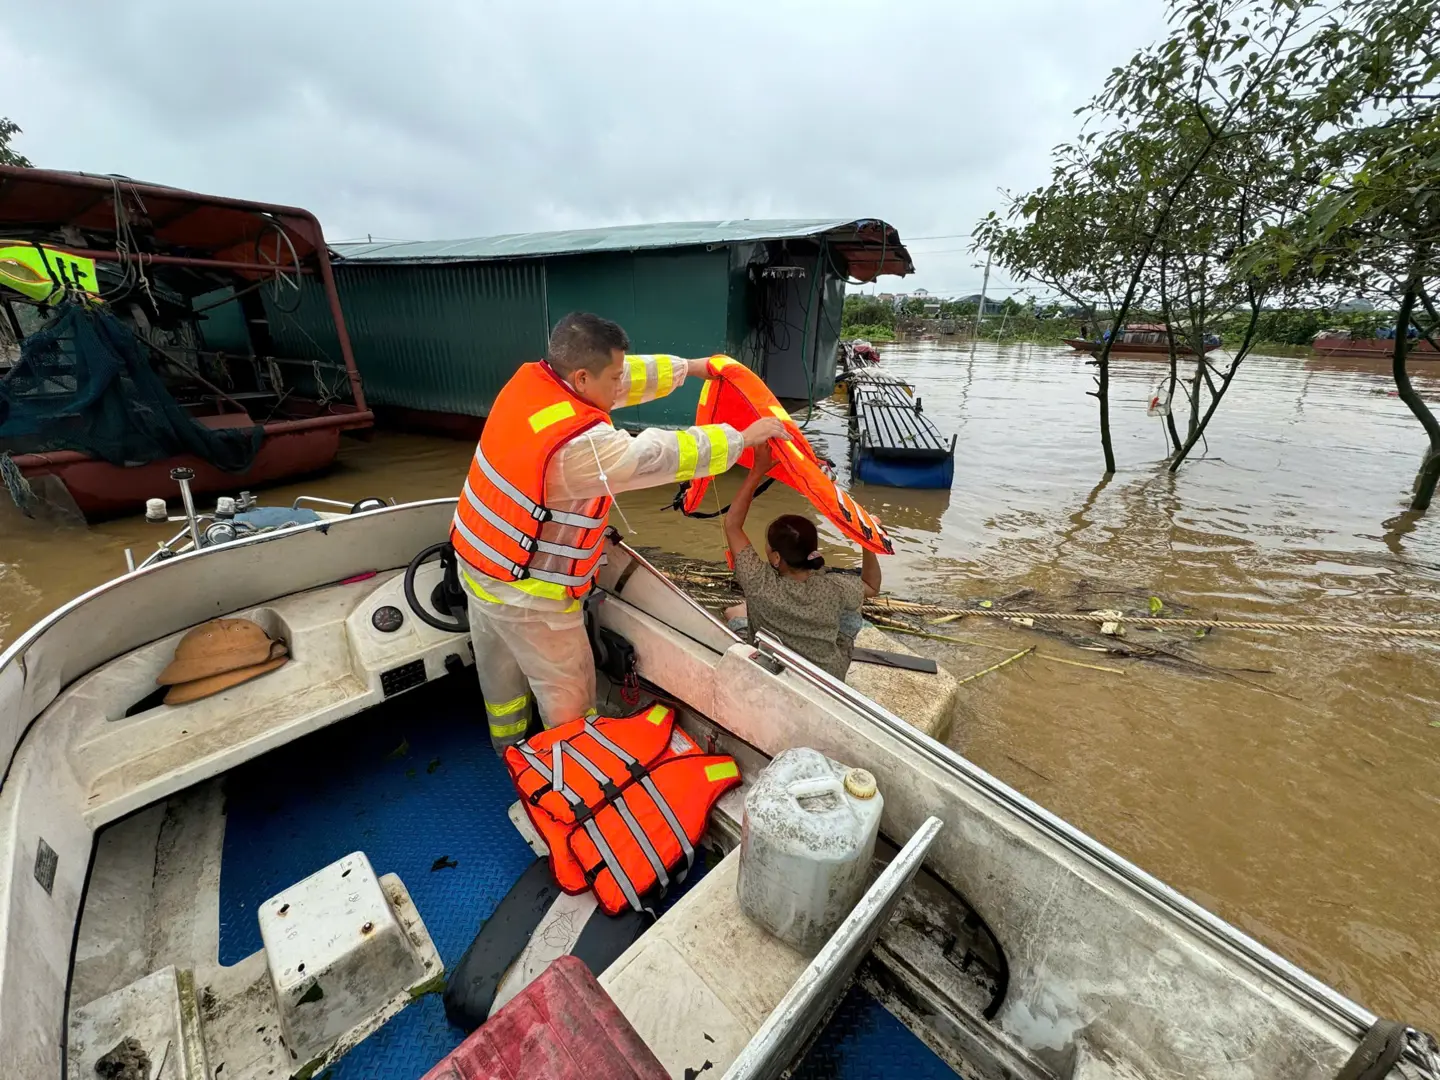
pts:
pixel 1382 349
pixel 1139 339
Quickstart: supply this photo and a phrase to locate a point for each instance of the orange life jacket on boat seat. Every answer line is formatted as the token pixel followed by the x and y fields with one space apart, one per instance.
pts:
pixel 620 802
pixel 502 509
pixel 737 396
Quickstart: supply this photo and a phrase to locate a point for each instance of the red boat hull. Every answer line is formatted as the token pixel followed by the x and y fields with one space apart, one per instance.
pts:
pixel 1122 349
pixel 102 490
pixel 1372 349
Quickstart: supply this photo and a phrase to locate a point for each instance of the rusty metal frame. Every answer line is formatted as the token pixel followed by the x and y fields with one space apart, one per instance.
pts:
pixel 300 222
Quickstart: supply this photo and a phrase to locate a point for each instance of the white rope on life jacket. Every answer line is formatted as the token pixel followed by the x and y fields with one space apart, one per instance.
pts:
pixel 605 480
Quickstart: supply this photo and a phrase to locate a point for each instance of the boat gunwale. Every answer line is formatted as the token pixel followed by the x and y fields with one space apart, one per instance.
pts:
pixel 1303 987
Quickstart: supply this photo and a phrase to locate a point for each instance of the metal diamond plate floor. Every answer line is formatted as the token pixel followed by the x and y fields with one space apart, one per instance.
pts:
pixel 414 784
pixel 864 1041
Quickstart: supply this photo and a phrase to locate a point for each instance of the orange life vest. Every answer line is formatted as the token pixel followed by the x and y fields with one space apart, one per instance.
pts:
pixel 631 846
pixel 620 802
pixel 737 396
pixel 593 760
pixel 502 508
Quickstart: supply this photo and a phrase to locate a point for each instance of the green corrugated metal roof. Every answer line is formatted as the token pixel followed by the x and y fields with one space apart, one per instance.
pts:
pixel 620 238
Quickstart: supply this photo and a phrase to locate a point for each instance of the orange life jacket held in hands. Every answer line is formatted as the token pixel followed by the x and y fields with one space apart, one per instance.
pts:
pixel 620 802
pixel 502 508
pixel 737 396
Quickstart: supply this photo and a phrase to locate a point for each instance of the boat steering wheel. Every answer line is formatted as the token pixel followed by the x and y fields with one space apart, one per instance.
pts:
pixel 446 599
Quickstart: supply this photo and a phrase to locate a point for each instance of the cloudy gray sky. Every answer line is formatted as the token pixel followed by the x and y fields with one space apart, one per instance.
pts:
pixel 449 118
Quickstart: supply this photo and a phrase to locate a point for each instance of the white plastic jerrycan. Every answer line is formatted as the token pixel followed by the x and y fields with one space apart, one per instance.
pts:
pixel 806 846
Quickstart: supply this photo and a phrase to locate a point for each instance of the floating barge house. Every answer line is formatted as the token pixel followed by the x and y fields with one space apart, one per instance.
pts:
pixel 439 326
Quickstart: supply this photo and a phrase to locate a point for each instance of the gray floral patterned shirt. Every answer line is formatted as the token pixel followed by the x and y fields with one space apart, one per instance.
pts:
pixel 805 615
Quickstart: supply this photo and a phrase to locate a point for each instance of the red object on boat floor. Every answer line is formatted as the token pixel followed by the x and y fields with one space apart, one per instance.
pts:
pixel 563 1026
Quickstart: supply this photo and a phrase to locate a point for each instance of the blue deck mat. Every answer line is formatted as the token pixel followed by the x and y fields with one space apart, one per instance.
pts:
pixel 410 782
pixel 864 1041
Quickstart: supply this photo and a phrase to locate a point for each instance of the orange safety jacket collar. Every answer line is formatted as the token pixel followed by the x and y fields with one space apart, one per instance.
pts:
pixel 737 396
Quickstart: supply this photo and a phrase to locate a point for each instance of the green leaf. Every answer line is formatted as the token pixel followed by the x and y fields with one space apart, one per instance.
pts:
pixel 1156 604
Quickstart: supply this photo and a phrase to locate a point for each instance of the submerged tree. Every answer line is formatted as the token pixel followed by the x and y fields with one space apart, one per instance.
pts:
pixel 8 130
pixel 1187 157
pixel 1370 222
pixel 1071 236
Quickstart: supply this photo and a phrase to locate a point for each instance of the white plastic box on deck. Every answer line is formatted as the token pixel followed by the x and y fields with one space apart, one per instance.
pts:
pixel 337 954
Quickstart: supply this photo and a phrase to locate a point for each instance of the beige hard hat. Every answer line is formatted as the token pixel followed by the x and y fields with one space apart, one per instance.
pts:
pixel 213 684
pixel 214 648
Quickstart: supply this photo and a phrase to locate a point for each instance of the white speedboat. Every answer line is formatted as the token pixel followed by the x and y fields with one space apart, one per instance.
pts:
pixel 151 855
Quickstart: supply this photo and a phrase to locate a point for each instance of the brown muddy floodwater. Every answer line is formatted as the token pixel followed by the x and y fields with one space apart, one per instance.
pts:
pixel 1303 803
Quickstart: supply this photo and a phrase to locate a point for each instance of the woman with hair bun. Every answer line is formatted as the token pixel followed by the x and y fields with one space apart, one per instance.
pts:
pixel 788 593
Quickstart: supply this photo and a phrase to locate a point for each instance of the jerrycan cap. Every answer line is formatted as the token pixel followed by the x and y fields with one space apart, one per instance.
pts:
pixel 860 783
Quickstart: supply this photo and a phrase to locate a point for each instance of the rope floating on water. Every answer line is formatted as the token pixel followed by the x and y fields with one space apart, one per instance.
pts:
pixel 15 483
pixel 1157 621
pixel 940 613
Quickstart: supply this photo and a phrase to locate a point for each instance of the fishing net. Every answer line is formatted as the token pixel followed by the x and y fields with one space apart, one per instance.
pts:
pixel 84 382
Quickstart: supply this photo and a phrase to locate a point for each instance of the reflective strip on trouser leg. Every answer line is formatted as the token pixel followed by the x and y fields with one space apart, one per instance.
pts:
pixel 509 719
pixel 502 684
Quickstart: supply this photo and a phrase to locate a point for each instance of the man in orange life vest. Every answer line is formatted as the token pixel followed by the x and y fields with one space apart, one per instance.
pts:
pixel 529 528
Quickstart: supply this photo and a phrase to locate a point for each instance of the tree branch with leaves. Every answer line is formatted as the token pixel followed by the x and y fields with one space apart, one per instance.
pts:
pixel 8 130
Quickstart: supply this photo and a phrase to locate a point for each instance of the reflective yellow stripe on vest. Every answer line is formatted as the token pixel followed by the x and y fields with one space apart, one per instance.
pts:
pixel 719 448
pixel 705 391
pixel 545 590
pixel 551 414
pixel 475 587
pixel 689 455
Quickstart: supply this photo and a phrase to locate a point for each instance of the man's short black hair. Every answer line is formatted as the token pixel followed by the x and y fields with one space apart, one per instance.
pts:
pixel 581 340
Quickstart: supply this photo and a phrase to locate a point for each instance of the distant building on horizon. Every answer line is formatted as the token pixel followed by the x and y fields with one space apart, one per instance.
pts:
pixel 992 305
